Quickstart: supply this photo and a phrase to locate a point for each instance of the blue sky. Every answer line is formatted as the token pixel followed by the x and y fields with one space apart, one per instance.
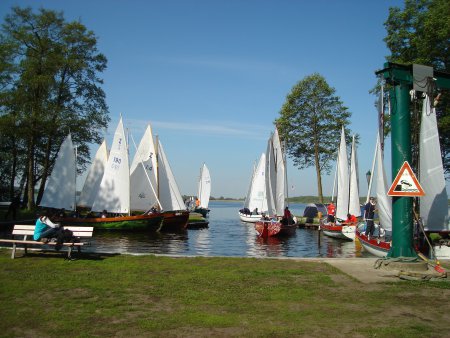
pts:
pixel 211 76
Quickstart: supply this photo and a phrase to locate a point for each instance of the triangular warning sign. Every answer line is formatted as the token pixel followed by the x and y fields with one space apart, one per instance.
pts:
pixel 406 183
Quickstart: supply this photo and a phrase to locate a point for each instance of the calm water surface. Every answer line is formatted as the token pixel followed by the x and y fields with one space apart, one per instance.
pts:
pixel 226 236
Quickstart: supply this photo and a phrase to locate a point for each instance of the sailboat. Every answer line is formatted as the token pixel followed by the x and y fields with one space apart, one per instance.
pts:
pixel 276 192
pixel 113 194
pixel 153 186
pixel 60 190
pixel 204 191
pixel 256 201
pixel 347 195
pixel 380 244
pixel 434 205
pixel 94 177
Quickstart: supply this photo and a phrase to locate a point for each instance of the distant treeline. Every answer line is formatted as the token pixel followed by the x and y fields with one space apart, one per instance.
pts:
pixel 298 199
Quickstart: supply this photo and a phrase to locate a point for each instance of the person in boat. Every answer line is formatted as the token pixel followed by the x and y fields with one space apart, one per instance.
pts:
pixel 369 213
pixel 104 214
pixel 264 217
pixel 287 217
pixel 255 212
pixel 45 229
pixel 331 210
pixel 351 219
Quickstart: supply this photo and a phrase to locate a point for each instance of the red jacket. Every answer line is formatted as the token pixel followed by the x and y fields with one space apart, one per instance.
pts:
pixel 331 209
pixel 351 219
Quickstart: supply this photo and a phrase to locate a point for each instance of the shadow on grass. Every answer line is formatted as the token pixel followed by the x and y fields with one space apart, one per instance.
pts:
pixel 51 254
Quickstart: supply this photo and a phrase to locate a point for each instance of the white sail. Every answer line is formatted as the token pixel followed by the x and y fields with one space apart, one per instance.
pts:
pixel 257 194
pixel 342 180
pixel 434 205
pixel 60 189
pixel 114 192
pixel 276 176
pixel 169 194
pixel 249 191
pixel 94 177
pixel 353 206
pixel 204 187
pixel 384 202
pixel 143 177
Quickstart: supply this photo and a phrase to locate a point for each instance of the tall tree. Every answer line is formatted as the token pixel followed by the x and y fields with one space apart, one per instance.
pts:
pixel 49 87
pixel 420 34
pixel 310 123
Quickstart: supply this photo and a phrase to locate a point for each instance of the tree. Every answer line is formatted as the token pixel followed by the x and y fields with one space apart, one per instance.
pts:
pixel 420 34
pixel 310 123
pixel 49 86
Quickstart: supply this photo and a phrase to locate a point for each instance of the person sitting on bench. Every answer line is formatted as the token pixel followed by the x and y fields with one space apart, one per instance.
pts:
pixel 45 229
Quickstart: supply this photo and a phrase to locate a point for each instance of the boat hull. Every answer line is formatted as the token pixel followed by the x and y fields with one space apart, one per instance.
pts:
pixel 271 229
pixel 249 218
pixel 346 232
pixel 440 251
pixel 175 220
pixel 203 211
pixel 140 222
pixel 376 246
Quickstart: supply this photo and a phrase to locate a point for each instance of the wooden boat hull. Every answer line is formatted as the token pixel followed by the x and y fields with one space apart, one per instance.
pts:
pixel 204 212
pixel 139 222
pixel 346 232
pixel 376 246
pixel 271 228
pixel 175 220
pixel 249 218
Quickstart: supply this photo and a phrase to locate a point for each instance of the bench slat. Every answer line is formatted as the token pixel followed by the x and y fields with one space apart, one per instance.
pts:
pixel 75 233
pixel 38 243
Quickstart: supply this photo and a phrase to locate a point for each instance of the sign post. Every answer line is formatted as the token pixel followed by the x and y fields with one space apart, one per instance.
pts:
pixel 402 79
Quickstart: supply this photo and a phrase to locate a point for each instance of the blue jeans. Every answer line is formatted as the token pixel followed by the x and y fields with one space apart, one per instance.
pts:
pixel 370 227
pixel 49 233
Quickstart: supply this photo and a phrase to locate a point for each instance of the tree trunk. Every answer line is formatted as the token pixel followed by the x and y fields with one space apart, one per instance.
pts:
pixel 12 192
pixel 45 172
pixel 30 185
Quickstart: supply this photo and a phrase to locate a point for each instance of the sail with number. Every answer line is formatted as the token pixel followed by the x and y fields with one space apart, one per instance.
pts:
pixel 143 177
pixel 114 191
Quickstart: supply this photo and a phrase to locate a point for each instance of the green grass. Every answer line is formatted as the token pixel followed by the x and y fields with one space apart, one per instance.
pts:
pixel 43 295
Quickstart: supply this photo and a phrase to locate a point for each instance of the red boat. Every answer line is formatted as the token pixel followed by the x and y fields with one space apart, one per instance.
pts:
pixel 375 245
pixel 342 231
pixel 270 228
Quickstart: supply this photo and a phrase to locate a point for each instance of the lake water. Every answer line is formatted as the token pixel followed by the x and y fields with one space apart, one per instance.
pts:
pixel 226 236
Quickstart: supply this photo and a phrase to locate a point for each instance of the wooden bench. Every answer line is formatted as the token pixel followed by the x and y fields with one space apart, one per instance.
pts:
pixel 27 231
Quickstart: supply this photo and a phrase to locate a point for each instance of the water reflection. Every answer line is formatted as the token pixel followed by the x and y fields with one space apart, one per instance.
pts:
pixel 226 236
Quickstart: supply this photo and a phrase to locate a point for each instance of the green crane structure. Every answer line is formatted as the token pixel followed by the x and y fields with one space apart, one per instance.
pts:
pixel 402 79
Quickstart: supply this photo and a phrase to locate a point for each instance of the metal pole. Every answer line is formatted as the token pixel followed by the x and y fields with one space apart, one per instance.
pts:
pixel 402 220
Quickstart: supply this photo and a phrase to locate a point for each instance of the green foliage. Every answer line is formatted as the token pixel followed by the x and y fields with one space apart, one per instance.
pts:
pixel 420 34
pixel 310 122
pixel 49 86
